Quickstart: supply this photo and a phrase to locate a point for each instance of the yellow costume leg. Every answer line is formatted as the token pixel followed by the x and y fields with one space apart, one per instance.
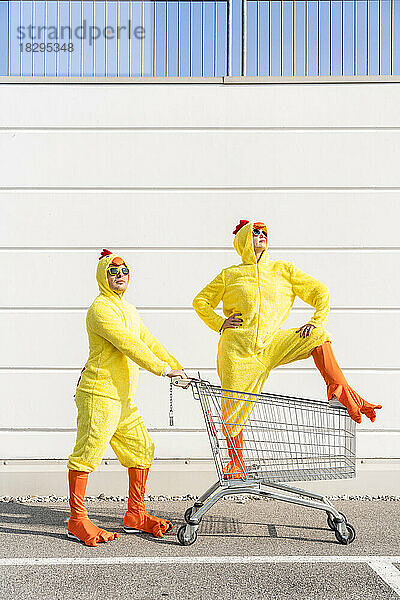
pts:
pixel 245 374
pixel 249 373
pixel 131 441
pixel 98 419
pixel 242 374
pixel 135 450
pixel 287 346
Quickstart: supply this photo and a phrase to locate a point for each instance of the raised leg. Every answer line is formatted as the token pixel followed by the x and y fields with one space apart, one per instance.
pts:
pixel 338 387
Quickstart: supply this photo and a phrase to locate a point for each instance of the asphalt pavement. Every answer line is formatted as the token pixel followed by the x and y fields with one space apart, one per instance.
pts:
pixel 257 549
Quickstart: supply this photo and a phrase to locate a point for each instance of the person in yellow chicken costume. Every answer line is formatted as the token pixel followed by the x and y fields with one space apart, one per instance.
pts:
pixel 119 343
pixel 257 296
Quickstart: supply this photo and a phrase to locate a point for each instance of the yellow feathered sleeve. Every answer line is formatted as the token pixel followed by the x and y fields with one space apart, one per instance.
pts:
pixel 208 299
pixel 157 348
pixel 312 292
pixel 106 323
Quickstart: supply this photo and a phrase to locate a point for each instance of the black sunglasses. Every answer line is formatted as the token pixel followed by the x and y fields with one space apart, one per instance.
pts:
pixel 259 232
pixel 115 270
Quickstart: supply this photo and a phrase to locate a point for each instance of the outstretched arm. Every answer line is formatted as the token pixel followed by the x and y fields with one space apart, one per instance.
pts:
pixel 208 299
pixel 157 348
pixel 313 292
pixel 104 321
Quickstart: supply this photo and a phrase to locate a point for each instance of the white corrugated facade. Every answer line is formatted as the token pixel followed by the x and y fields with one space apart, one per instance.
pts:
pixel 161 173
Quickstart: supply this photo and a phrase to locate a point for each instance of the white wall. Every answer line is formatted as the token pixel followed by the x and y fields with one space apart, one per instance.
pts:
pixel 161 174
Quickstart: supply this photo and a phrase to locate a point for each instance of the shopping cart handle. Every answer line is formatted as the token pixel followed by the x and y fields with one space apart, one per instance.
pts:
pixel 179 382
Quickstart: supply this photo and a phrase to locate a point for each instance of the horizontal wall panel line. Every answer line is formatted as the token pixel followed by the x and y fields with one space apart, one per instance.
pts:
pixel 177 309
pixel 200 190
pixel 171 430
pixel 77 369
pixel 222 129
pixel 202 129
pixel 151 429
pixel 202 249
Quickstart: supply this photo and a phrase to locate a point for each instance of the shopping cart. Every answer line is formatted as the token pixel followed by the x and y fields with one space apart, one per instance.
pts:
pixel 284 439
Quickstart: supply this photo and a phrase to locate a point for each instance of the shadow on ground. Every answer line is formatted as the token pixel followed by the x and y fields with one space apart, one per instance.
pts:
pixel 51 522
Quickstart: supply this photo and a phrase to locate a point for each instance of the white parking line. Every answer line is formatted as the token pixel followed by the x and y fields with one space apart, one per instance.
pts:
pixel 382 565
pixel 195 560
pixel 388 572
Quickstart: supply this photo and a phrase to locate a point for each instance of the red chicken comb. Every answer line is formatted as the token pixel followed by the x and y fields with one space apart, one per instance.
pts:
pixel 105 253
pixel 241 224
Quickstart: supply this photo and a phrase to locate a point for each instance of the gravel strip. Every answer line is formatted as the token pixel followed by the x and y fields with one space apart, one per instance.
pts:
pixel 242 499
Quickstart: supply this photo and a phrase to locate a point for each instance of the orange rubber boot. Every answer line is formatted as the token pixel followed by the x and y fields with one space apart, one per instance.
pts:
pixel 337 385
pixel 80 527
pixel 235 469
pixel 136 518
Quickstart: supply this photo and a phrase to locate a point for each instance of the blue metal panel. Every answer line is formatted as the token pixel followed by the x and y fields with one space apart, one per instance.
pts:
pixel 264 38
pixel 148 39
pixel 172 39
pixel 336 38
pixel 209 40
pixel 396 38
pixel 361 38
pixel 136 43
pixel 123 39
pixel 16 37
pixel 161 39
pixel 111 40
pixel 197 34
pixel 75 57
pixel 27 21
pixel 325 37
pixel 236 47
pixel 287 37
pixel 183 37
pixel 221 41
pixel 348 37
pixel 51 37
pixel 275 38
pixel 312 38
pixel 300 38
pixel 252 40
pixel 373 38
pixel 4 20
pixel 99 43
pixel 386 37
pixel 39 19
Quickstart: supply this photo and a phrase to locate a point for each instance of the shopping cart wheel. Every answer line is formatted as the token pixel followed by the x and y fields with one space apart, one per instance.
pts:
pixel 188 514
pixel 346 539
pixel 183 540
pixel 331 521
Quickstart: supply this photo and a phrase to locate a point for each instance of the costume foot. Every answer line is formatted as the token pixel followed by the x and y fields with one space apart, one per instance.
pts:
pixel 368 410
pixel 354 403
pixel 143 522
pixel 87 532
pixel 234 471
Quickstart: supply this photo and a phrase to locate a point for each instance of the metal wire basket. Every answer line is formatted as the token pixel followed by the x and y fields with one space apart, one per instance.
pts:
pixel 285 438
pixel 259 441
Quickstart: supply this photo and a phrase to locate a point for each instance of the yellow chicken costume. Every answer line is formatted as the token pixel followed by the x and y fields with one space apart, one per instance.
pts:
pixel 263 292
pixel 119 343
